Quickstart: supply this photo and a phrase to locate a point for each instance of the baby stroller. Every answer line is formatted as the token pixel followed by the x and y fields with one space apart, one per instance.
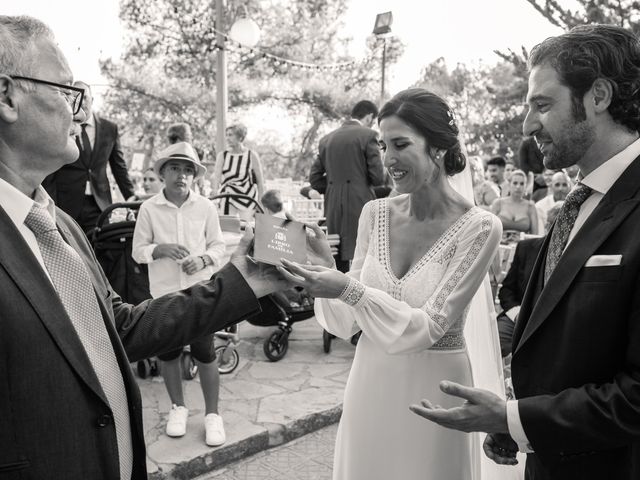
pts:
pixel 281 309
pixel 112 240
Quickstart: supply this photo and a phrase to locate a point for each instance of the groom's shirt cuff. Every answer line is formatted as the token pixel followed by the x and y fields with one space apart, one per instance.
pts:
pixel 515 427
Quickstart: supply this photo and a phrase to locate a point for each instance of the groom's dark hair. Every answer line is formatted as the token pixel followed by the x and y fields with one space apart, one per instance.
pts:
pixel 589 52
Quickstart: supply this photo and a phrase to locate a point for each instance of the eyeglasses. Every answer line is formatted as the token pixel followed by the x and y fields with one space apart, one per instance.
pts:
pixel 73 95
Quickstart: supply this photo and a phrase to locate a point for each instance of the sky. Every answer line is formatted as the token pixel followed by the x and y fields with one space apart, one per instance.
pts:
pixel 460 30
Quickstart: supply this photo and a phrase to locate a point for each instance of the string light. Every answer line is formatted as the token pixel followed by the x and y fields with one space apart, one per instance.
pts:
pixel 277 61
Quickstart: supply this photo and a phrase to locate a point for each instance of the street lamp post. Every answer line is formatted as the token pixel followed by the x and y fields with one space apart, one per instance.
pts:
pixel 221 79
pixel 382 29
pixel 245 31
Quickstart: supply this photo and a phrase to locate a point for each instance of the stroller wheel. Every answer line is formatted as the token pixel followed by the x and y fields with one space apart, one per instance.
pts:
pixel 276 346
pixel 227 358
pixel 144 368
pixel 189 367
pixel 326 341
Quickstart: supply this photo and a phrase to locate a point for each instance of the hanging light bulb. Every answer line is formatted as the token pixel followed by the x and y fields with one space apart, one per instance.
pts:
pixel 245 30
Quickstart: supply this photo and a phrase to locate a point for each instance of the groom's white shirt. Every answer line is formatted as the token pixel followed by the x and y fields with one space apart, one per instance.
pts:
pixel 600 181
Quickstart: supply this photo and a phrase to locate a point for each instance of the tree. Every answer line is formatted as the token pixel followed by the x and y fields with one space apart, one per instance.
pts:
pixel 167 72
pixel 625 13
pixel 487 101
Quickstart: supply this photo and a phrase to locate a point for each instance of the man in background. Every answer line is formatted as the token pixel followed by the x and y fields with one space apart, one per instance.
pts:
pixel 559 189
pixel 346 170
pixel 494 186
pixel 82 188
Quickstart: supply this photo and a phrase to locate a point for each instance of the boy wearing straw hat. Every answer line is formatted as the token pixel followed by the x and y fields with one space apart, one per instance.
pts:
pixel 178 234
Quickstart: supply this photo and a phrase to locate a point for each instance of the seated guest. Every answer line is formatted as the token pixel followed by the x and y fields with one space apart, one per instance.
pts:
pixel 541 184
pixel 516 212
pixel 515 282
pixel 558 191
pixel 151 184
pixel 272 203
pixel 492 185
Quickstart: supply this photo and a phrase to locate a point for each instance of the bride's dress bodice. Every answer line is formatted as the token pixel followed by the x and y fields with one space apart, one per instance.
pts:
pixel 421 281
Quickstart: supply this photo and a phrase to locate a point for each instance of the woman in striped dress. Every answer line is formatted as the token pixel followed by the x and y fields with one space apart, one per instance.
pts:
pixel 238 170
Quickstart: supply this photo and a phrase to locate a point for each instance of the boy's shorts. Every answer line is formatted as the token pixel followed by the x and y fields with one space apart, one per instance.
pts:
pixel 202 349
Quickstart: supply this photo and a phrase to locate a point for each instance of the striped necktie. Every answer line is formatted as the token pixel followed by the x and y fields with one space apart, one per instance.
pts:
pixel 73 285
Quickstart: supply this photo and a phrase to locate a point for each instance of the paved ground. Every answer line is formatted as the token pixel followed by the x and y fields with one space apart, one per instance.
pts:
pixel 264 404
pixel 307 458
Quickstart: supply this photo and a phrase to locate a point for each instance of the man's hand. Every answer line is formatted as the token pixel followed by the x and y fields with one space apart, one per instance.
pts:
pixel 483 411
pixel 262 278
pixel 501 448
pixel 174 251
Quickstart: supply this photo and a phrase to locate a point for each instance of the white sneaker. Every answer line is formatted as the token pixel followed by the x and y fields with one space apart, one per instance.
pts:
pixel 177 422
pixel 214 430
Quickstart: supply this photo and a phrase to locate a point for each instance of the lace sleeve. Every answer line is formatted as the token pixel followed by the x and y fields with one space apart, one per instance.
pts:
pixel 333 315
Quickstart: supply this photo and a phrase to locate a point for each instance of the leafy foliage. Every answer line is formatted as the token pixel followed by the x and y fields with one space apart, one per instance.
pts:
pixel 487 100
pixel 625 13
pixel 167 74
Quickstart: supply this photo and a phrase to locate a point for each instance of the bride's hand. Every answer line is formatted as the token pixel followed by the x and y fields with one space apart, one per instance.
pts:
pixel 318 249
pixel 321 282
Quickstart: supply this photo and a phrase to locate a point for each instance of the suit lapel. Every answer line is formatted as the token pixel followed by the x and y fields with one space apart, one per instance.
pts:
pixel 25 270
pixel 608 215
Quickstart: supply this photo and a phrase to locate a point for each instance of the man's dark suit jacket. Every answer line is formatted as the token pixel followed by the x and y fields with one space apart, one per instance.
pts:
pixel 576 360
pixel 515 282
pixel 67 185
pixel 530 157
pixel 346 170
pixel 513 286
pixel 56 422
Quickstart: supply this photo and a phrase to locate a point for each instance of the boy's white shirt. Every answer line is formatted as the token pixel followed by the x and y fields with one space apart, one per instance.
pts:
pixel 194 225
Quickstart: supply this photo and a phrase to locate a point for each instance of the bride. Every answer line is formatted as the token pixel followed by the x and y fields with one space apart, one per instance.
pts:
pixel 420 258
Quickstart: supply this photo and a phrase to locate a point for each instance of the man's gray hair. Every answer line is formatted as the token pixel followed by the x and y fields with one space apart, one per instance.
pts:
pixel 17 36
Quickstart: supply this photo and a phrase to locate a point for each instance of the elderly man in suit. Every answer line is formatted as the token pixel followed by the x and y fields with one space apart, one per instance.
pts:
pixel 82 188
pixel 71 407
pixel 576 359
pixel 346 170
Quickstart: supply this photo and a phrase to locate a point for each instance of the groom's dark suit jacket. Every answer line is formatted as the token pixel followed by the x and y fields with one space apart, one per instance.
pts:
pixel 576 361
pixel 55 421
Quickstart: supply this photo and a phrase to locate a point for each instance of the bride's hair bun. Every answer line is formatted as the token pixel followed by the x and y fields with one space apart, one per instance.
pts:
pixel 430 116
pixel 454 160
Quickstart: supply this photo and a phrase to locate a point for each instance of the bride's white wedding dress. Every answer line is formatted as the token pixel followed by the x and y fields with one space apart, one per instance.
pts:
pixel 412 338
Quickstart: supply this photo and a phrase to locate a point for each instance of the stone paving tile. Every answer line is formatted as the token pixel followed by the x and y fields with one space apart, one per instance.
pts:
pixel 307 458
pixel 264 404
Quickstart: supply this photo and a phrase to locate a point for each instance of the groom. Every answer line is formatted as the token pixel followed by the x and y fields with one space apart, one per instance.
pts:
pixel 576 360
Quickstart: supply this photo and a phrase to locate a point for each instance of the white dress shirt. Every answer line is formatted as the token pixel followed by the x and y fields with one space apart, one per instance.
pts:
pixel 600 181
pixel 17 206
pixel 194 225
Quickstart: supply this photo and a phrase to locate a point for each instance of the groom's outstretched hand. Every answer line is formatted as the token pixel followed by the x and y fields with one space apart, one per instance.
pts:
pixel 501 448
pixel 482 411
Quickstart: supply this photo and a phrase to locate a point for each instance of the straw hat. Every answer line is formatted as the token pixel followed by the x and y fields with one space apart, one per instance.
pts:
pixel 180 151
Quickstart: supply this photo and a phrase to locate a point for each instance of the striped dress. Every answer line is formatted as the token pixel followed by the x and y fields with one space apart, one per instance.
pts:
pixel 237 178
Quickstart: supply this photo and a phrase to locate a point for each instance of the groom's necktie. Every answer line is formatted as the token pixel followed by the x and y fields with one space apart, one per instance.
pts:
pixel 73 285
pixel 563 226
